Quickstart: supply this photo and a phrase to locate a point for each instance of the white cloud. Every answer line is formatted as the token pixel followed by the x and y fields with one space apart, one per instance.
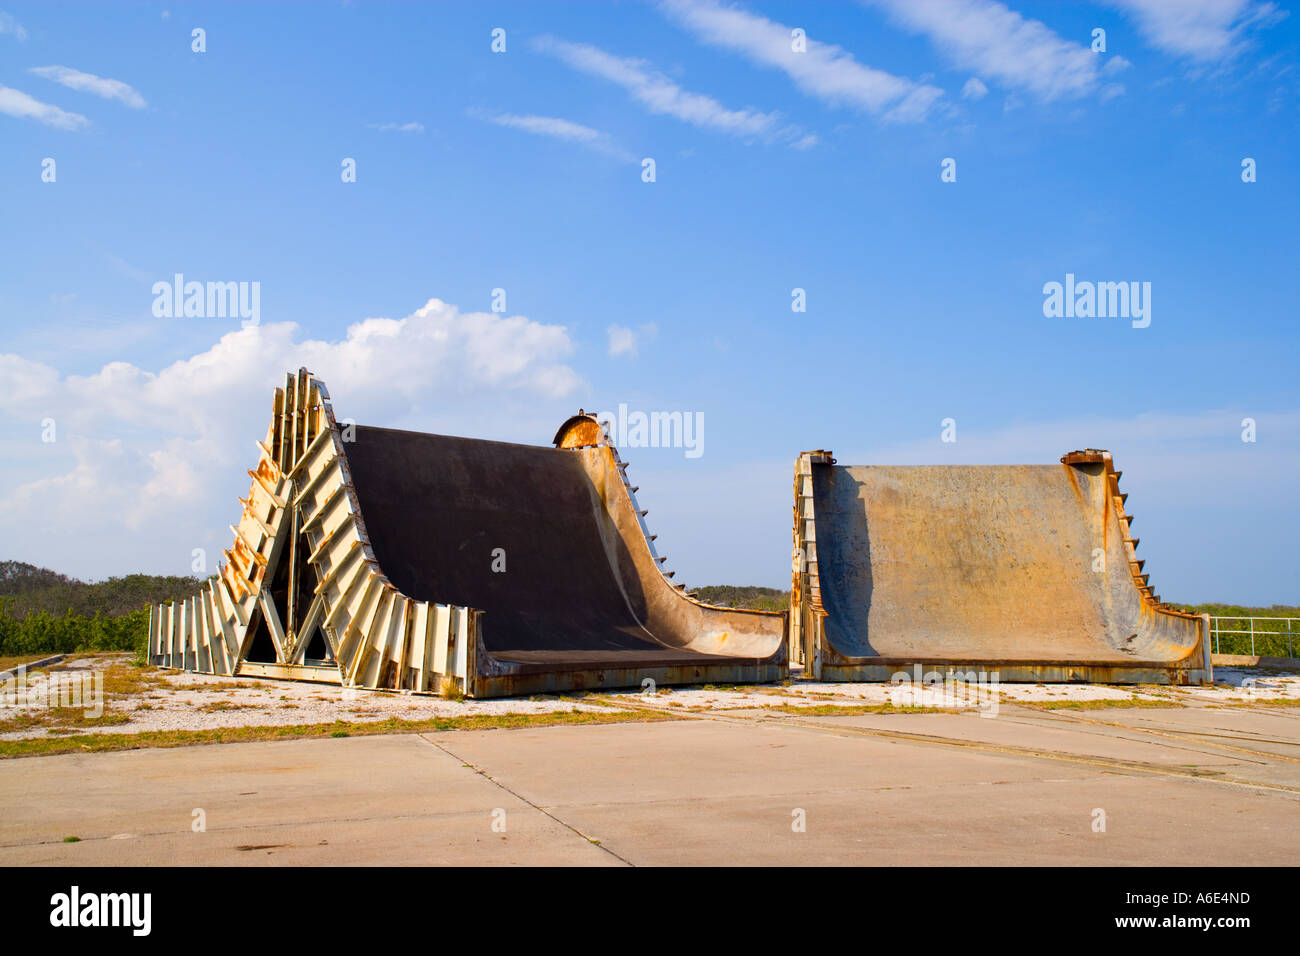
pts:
pixel 556 127
pixel 974 89
pixel 989 38
pixel 1201 30
pixel 18 104
pixel 622 340
pixel 145 463
pixel 411 127
pixel 625 341
pixel 101 86
pixel 660 95
pixel 8 25
pixel 1110 91
pixel 824 70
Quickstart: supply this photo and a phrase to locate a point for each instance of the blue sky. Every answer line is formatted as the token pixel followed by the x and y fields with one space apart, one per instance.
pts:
pixel 774 170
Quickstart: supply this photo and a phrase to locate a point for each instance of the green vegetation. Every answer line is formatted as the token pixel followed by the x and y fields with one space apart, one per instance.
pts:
pixel 1237 610
pixel 43 612
pixel 36 589
pixel 96 743
pixel 1270 636
pixel 42 633
pixel 754 598
pixel 1266 702
pixel 853 710
pixel 1100 704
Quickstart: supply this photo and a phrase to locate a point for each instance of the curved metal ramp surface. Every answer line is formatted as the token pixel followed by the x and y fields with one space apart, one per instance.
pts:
pixel 1027 570
pixel 389 559
pixel 531 535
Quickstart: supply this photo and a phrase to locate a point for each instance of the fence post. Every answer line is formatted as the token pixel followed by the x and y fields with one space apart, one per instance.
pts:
pixel 1252 637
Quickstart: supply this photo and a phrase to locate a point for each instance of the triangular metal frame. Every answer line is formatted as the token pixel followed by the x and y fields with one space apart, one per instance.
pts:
pixel 302 507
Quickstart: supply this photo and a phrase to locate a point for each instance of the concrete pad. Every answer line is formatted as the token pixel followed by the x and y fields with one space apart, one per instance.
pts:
pixel 1271 732
pixel 1258 722
pixel 712 790
pixel 360 800
pixel 709 792
pixel 1042 732
pixel 980 823
pixel 1086 739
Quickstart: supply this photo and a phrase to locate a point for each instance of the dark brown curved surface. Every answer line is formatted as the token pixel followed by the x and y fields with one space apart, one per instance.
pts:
pixel 573 592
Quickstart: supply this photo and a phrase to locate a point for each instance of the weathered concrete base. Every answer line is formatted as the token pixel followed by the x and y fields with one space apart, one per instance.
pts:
pixel 557 681
pixel 616 678
pixel 1015 672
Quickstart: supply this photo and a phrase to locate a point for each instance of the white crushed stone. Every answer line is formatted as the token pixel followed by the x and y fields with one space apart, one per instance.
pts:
pixel 263 702
pixel 1231 685
pixel 184 701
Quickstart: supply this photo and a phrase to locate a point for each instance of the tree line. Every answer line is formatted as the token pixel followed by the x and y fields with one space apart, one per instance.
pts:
pixel 42 611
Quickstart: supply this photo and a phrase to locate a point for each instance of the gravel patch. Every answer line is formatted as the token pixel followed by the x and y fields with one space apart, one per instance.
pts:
pixel 1231 685
pixel 174 700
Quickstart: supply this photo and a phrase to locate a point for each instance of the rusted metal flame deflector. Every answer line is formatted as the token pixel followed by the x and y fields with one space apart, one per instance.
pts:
pixel 1029 571
pixel 395 560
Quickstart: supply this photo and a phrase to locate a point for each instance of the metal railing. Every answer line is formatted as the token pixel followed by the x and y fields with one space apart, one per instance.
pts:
pixel 1267 633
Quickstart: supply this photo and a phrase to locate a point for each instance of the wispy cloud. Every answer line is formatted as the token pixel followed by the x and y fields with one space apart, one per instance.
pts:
pixel 411 127
pixel 625 341
pixel 823 70
pixel 18 104
pixel 1202 30
pixel 550 126
pixel 1110 91
pixel 109 89
pixel 988 38
pixel 974 89
pixel 556 127
pixel 10 26
pixel 662 96
pixel 125 268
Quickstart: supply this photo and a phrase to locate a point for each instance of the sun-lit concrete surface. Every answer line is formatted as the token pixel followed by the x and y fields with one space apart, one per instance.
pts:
pixel 1193 786
pixel 365 800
